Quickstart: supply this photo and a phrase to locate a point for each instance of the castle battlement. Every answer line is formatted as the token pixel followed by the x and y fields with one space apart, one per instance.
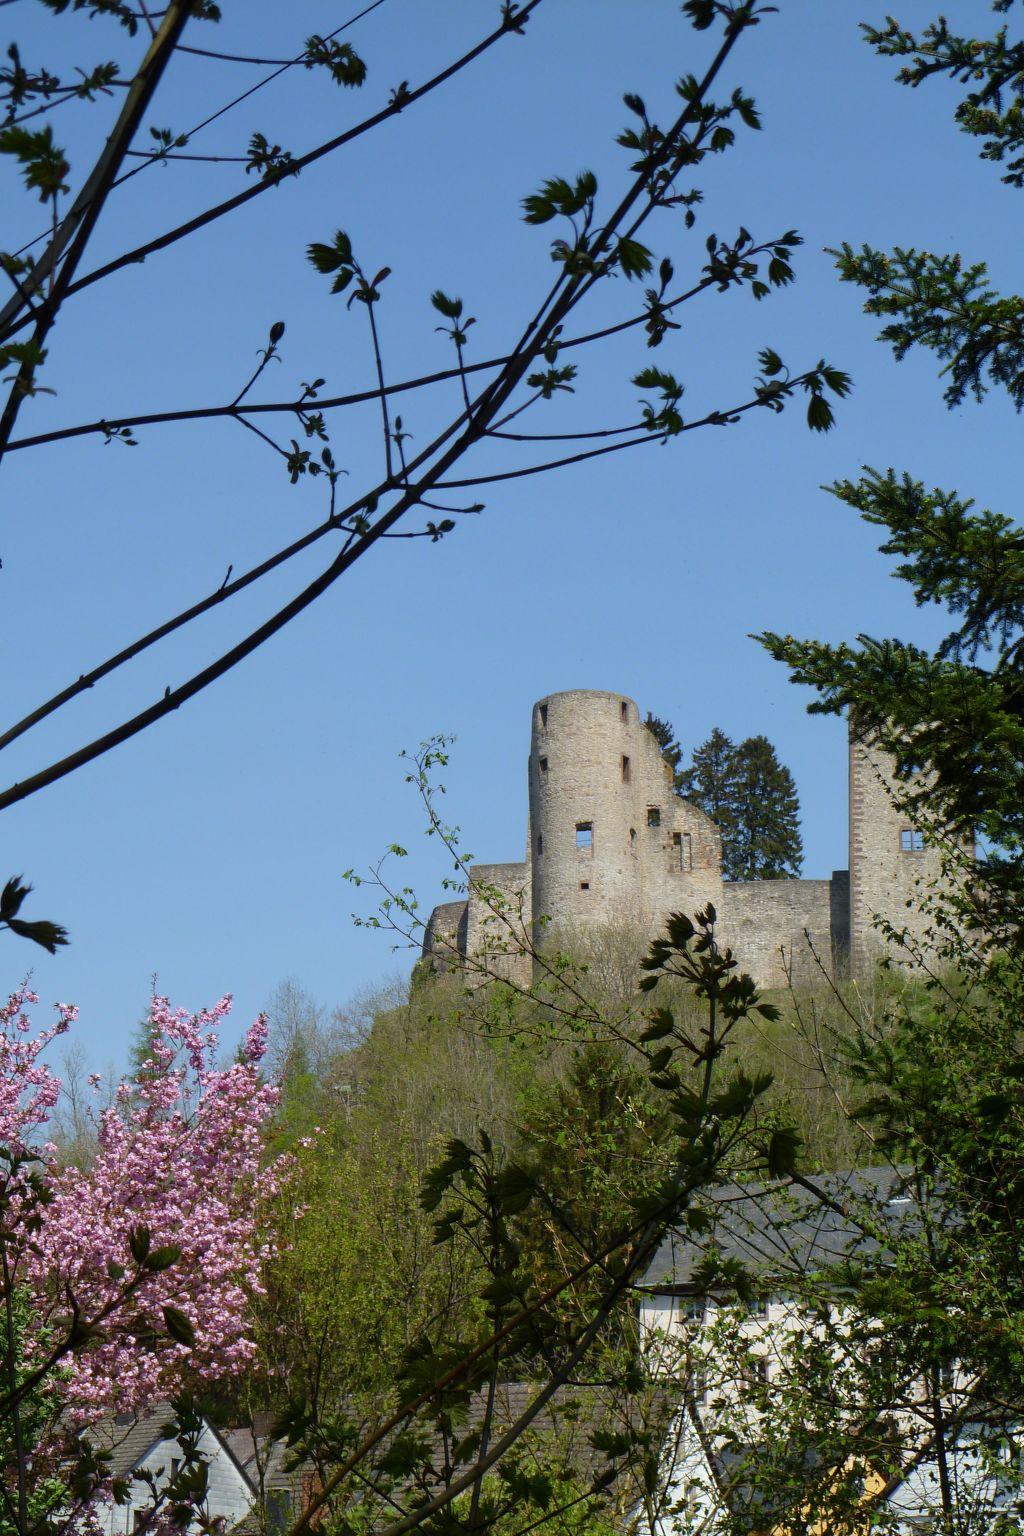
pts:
pixel 611 845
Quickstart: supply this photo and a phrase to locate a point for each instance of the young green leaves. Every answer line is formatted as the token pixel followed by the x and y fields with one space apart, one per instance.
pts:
pixel 340 60
pixel 666 419
pixel 556 196
pixel 335 258
pixel 49 935
pixel 44 166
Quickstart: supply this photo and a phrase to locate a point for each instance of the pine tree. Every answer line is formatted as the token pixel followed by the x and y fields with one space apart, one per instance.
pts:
pixel 766 844
pixel 710 783
pixel 752 800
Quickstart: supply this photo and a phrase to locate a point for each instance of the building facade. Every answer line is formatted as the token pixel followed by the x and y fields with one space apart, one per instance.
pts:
pixel 610 845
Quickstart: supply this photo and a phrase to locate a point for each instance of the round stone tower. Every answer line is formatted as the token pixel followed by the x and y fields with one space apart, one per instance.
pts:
pixel 585 831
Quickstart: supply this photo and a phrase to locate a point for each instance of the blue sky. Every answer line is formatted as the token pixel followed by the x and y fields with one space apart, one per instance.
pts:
pixel 210 849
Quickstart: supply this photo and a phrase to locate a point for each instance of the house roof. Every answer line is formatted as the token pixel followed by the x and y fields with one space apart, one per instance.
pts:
pixel 130 1438
pixel 786 1228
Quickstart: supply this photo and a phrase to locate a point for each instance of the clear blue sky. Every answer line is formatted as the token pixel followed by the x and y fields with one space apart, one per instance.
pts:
pixel 210 849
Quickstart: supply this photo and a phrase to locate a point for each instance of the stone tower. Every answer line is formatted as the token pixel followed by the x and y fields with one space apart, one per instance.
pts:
pixel 891 864
pixel 610 842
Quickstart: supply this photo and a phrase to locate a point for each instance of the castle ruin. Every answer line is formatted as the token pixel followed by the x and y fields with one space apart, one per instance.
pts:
pixel 611 845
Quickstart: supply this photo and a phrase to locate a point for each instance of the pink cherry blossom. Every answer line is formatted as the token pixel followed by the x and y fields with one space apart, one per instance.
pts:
pixel 181 1154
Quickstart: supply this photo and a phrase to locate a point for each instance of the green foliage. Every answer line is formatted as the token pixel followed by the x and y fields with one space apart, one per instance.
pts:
pixel 339 59
pixel 45 1487
pixel 993 67
pixel 959 709
pixel 948 307
pixel 44 167
pixel 752 800
pixel 942 302
pixel 766 844
pixel 558 196
pixel 336 257
pixel 933 1076
pixel 50 936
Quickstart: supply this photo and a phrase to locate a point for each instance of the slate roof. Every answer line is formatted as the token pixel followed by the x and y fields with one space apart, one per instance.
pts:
pixel 783 1229
pixel 131 1436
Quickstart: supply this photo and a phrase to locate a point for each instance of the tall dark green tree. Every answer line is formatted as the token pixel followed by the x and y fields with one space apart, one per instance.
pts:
pixel 710 781
pixel 960 708
pixel 765 843
pixel 752 800
pixel 942 1082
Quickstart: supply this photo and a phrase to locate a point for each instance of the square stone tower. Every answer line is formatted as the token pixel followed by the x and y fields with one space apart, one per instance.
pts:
pixel 892 864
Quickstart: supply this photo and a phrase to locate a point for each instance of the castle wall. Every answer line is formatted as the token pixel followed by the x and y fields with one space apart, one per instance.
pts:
pixel 764 922
pixel 444 938
pixel 887 877
pixel 682 853
pixel 496 928
pixel 611 846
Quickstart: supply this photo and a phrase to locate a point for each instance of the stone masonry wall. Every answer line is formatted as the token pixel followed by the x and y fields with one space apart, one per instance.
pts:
pixel 887 877
pixel 609 844
pixel 610 841
pixel 496 929
pixel 444 938
pixel 764 922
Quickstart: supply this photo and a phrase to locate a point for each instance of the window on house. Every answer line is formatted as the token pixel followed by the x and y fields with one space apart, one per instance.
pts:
pixel 623 712
pixel 758 1307
pixel 543 717
pixel 625 770
pixel 911 840
pixel 543 765
pixel 584 834
pixel 755 1371
pixel 693 1309
pixel 584 885
pixel 278 1506
pixel 653 816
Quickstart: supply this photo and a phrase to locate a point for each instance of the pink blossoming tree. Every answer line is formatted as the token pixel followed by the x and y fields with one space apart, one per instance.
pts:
pixel 129 1281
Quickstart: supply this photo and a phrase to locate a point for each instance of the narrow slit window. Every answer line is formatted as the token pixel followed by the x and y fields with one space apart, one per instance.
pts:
pixel 623 712
pixel 632 836
pixel 625 770
pixel 653 816
pixel 540 842
pixel 911 840
pixel 543 765
pixel 585 834
pixel 584 885
pixel 543 717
